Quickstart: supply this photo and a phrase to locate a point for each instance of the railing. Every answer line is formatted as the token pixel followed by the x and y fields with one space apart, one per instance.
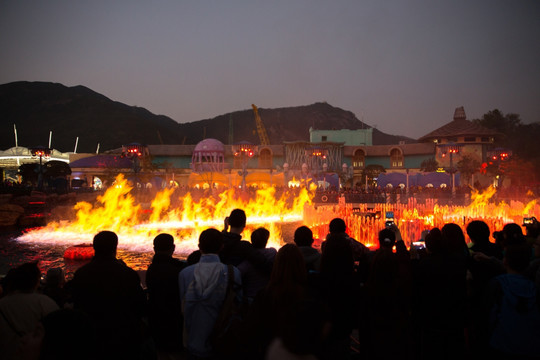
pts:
pixel 461 199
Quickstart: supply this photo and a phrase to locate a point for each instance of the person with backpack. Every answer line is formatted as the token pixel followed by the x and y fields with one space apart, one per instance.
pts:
pixel 203 288
pixel 514 317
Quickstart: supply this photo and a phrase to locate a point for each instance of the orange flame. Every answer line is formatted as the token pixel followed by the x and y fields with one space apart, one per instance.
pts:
pixel 116 210
pixel 413 218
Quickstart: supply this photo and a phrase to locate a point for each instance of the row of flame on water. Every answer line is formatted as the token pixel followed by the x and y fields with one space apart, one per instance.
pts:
pixel 118 211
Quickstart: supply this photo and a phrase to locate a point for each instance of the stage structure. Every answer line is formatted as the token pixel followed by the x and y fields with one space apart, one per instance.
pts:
pixel 208 163
pixel 315 155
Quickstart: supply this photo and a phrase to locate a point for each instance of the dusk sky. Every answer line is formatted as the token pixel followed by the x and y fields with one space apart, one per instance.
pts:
pixel 401 66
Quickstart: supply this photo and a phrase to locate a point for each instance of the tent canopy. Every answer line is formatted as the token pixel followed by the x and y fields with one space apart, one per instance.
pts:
pixel 436 179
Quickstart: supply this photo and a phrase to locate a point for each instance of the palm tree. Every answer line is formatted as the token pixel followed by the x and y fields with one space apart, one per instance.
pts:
pixel 429 165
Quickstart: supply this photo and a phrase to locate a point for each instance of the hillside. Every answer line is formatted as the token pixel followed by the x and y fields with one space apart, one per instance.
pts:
pixel 282 124
pixel 37 108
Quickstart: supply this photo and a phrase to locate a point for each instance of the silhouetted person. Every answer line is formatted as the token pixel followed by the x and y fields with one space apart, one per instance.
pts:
pixel 202 289
pixel 337 227
pixel 387 308
pixel 514 317
pixel 21 309
pixel 303 238
pixel 439 300
pixel 68 334
pixel 533 272
pixel 532 230
pixel 446 327
pixel 111 293
pixel 54 286
pixel 338 286
pixel 478 231
pixel 164 311
pixel 511 234
pixel 283 308
pixel 235 250
pixel 193 258
pixel 482 272
pixel 254 279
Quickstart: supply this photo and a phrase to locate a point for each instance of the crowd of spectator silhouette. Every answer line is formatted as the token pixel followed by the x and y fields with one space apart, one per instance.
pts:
pixel 447 300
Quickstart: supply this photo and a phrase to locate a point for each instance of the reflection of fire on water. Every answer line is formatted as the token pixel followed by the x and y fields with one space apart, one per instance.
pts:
pixel 117 210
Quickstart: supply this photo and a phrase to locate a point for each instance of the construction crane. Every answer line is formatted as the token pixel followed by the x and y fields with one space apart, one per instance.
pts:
pixel 261 130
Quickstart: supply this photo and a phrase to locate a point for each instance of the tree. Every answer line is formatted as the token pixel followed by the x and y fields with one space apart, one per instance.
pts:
pixel 429 165
pixel 518 170
pixel 505 124
pixel 468 166
pixel 55 168
pixel 521 139
pixel 372 172
pixel 29 173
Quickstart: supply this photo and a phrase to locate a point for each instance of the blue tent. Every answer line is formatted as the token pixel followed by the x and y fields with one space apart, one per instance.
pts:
pixel 436 179
pixel 393 179
pixel 417 179
pixel 331 180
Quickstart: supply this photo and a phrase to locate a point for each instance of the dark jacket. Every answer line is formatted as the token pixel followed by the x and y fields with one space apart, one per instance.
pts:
pixel 164 309
pixel 254 280
pixel 312 258
pixel 111 293
pixel 235 250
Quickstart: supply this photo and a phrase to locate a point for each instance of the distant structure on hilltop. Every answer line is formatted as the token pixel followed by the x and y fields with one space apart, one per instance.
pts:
pixel 347 137
pixel 316 142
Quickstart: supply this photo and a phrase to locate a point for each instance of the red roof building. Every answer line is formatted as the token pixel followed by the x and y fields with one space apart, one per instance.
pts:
pixel 461 130
pixel 461 137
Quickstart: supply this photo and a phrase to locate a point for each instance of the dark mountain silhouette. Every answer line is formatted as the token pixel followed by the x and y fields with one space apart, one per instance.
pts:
pixel 282 124
pixel 70 112
pixel 37 108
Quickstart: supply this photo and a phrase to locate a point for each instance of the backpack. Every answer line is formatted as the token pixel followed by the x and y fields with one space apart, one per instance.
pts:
pixel 515 316
pixel 224 334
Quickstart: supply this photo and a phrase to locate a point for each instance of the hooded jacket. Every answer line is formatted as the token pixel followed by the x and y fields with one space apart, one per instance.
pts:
pixel 202 289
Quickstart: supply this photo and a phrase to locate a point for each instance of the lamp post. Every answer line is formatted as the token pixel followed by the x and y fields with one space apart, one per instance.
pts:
pixel 497 157
pixel 42 152
pixel 407 185
pixel 244 150
pixel 135 152
pixel 345 172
